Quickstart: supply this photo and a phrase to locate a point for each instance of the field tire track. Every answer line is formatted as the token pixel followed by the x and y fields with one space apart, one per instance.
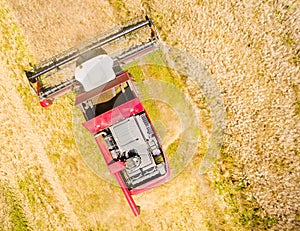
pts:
pixel 28 148
pixel 33 140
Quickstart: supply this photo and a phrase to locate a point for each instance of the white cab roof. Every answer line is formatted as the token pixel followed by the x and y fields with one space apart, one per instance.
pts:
pixel 95 72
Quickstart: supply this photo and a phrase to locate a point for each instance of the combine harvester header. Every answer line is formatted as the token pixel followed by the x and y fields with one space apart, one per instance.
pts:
pixel 110 40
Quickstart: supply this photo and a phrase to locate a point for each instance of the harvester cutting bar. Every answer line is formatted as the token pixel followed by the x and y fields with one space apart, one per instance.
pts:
pixel 136 51
pixel 59 89
pixel 75 53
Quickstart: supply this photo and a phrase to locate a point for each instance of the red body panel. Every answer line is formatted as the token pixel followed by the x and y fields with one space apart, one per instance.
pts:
pixel 45 102
pixel 113 116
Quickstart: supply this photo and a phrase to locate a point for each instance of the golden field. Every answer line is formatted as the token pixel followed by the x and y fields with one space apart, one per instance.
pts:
pixel 251 49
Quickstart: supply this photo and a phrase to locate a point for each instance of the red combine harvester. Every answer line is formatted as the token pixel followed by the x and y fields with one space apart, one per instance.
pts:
pixel 107 98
